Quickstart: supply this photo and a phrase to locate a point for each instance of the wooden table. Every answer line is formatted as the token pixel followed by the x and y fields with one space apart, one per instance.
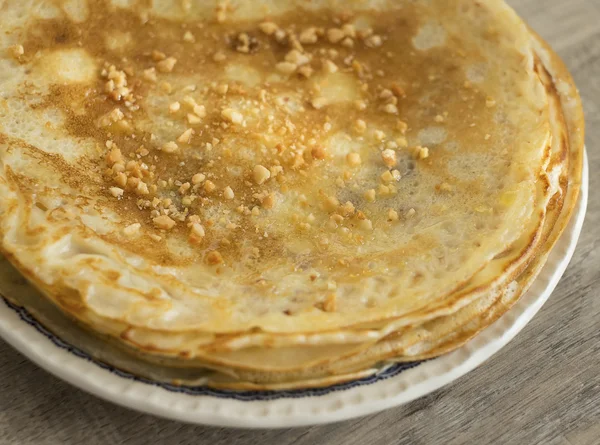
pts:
pixel 544 388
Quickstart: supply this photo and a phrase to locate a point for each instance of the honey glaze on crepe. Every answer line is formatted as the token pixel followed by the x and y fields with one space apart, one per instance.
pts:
pixel 253 172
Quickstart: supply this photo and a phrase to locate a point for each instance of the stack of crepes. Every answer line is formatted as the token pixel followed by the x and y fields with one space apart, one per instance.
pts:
pixel 281 194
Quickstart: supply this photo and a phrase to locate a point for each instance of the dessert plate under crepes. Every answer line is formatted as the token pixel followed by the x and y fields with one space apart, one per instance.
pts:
pixel 393 386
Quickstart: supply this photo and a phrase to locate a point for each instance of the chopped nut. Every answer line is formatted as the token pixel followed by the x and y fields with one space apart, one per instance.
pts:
pixel 389 158
pixel 186 136
pixel 228 193
pixel 209 186
pixel 198 178
pixel 132 229
pixel 365 224
pixel 319 102
pixel 329 66
pixel 373 41
pixel 353 159
pixel 17 51
pixel 268 202
pixel 392 215
pixel 193 119
pixel 219 56
pixel 222 88
pixel 268 28
pixel 360 126
pixel 329 305
pixel 121 179
pixel 390 109
pixel 114 156
pixel 232 116
pixel 157 56
pixel 166 87
pixel 335 35
pixel 370 195
pixel 164 222
pixel 197 231
pixel 170 147
pixel 309 35
pixel 348 208
pixel 360 105
pixel 116 191
pixel 261 174
pixel 421 152
pixel 306 71
pixel 150 75
pixel 213 258
pixel 402 126
pixel 410 213
pixel 439 118
pixel 379 135
pixel 286 67
pixel 142 188
pixel 189 37
pixel 318 153
pixel 297 58
pixel 174 107
pixel 387 176
pixel 167 65
pixel 183 189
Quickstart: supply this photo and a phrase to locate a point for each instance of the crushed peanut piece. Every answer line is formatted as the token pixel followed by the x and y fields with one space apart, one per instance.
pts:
pixel 150 74
pixel 389 157
pixel 170 147
pixel 392 215
pixel 370 195
pixel 17 51
pixel 421 152
pixel 329 67
pixel 174 107
pixel 269 28
pixel 213 258
pixel 164 222
pixel 198 178
pixel 335 35
pixel 186 136
pixel 167 65
pixel 390 109
pixel 189 37
pixel 232 115
pixel 132 229
pixel 410 213
pixel 197 230
pixel 116 191
pixel 286 67
pixel 228 193
pixel 353 159
pixel 209 186
pixel 261 174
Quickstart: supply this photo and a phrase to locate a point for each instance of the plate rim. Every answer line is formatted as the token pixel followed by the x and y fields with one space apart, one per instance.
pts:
pixel 300 410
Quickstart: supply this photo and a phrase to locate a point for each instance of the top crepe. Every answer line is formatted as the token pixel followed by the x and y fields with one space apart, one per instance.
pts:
pixel 205 168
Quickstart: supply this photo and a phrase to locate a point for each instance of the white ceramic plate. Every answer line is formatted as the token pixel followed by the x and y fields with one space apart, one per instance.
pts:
pixel 395 386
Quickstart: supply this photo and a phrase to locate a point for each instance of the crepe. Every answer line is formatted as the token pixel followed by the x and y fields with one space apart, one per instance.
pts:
pixel 282 192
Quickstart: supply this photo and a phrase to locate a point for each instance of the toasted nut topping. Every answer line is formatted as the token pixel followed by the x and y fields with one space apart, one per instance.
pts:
pixel 198 178
pixel 335 35
pixel 213 258
pixel 228 193
pixel 189 37
pixel 167 65
pixel 286 67
pixel 411 213
pixel 318 153
pixel 261 174
pixel 232 116
pixel 150 75
pixel 163 222
pixel 365 224
pixel 392 215
pixel 186 136
pixel 370 195
pixel 389 157
pixel 209 186
pixel 390 109
pixel 132 229
pixel 268 28
pixel 197 230
pixel 421 152
pixel 174 107
pixel 116 191
pixel 329 66
pixel 353 159
pixel 17 51
pixel 170 147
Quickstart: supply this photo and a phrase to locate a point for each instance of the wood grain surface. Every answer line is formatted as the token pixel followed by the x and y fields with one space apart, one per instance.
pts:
pixel 543 388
